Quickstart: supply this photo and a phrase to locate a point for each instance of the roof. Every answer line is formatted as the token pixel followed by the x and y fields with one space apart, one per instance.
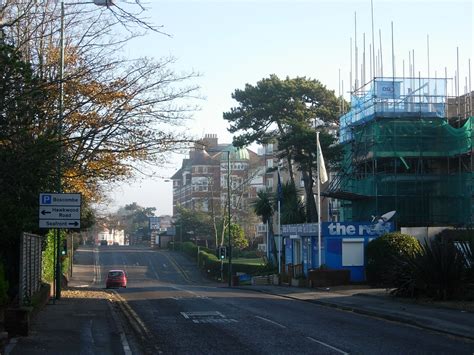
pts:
pixel 236 154
pixel 201 157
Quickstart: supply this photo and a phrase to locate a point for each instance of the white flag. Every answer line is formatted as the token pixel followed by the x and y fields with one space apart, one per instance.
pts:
pixel 323 175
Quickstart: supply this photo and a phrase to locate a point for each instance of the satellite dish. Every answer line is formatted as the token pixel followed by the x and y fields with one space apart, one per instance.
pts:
pixel 387 216
pixel 378 226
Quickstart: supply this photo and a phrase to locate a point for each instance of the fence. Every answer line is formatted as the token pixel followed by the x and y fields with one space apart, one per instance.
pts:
pixel 30 266
pixel 293 270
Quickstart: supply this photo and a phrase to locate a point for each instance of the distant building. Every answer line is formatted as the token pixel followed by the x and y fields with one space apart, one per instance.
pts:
pixel 111 236
pixel 201 182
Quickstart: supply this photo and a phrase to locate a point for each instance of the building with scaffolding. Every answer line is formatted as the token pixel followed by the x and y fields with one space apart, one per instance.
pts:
pixel 408 148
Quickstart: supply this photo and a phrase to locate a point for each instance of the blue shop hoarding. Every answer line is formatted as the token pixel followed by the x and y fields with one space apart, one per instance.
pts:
pixel 342 244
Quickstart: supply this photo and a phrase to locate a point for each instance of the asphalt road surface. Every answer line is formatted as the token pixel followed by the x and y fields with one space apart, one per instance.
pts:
pixel 180 312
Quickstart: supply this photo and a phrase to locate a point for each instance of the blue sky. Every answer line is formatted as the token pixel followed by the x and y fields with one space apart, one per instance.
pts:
pixel 231 43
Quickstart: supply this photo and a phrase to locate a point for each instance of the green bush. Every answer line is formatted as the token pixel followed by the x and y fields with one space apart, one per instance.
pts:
pixel 249 254
pixel 49 257
pixel 209 262
pixel 212 266
pixel 3 287
pixel 190 249
pixel 383 254
pixel 441 270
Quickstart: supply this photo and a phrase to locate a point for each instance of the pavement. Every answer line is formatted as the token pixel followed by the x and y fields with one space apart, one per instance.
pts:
pixel 85 320
pixel 457 321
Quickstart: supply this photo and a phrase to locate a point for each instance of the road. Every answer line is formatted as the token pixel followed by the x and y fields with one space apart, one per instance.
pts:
pixel 179 311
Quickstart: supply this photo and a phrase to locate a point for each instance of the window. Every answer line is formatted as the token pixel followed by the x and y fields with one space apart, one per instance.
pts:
pixel 261 228
pixel 200 183
pixel 353 252
pixel 269 163
pixel 297 251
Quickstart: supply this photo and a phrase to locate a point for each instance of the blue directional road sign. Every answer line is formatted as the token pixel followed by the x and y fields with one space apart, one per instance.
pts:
pixel 59 210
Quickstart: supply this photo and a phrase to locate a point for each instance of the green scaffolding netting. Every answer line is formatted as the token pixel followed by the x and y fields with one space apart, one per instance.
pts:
pixel 413 138
pixel 422 168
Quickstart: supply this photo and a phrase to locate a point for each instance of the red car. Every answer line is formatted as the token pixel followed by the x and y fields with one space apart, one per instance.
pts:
pixel 116 278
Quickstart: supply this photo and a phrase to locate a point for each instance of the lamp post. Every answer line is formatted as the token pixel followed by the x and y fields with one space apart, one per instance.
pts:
pixel 174 235
pixel 57 260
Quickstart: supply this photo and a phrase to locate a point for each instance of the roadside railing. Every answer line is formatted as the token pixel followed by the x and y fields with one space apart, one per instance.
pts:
pixel 30 267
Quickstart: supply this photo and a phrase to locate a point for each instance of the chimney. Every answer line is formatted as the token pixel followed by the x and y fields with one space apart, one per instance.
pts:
pixel 210 141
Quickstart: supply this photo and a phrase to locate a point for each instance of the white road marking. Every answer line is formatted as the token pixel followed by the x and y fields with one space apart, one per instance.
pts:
pixel 327 345
pixel 270 321
pixel 97 275
pixel 165 266
pixel 202 314
pixel 207 317
pixel 195 294
pixel 153 269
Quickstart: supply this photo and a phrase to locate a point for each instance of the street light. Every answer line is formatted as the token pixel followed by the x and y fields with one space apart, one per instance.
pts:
pixel 174 235
pixel 106 3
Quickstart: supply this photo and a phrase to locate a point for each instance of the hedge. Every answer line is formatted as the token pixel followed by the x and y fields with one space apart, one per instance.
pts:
pixel 212 266
pixel 382 255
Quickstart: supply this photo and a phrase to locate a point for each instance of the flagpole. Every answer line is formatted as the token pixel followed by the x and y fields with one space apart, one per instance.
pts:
pixel 318 202
pixel 267 241
pixel 279 222
pixel 322 177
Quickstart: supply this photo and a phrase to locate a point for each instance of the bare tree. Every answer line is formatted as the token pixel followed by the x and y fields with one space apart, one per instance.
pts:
pixel 120 114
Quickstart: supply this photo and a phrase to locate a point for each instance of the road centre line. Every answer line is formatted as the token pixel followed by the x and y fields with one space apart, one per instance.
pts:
pixel 125 264
pixel 97 277
pixel 270 321
pixel 153 269
pixel 327 345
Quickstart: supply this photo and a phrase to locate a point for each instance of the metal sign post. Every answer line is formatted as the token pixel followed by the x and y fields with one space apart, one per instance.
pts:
pixel 59 211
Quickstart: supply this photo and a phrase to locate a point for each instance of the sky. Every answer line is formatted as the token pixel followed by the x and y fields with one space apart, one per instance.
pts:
pixel 233 43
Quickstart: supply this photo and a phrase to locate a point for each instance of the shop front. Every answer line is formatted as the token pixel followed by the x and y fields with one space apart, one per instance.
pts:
pixel 343 246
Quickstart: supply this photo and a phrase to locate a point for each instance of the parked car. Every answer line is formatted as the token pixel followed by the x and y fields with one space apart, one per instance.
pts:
pixel 103 242
pixel 116 278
